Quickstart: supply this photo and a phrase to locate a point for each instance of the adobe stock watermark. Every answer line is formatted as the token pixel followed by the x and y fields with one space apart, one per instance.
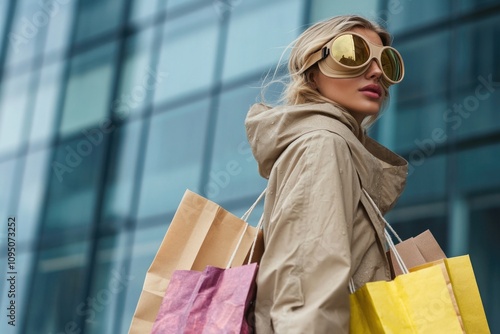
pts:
pixel 97 304
pixel 30 26
pixel 121 108
pixel 223 7
pixel 219 180
pixel 453 116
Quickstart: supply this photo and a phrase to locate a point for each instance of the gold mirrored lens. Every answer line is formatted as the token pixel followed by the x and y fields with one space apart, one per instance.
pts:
pixel 350 50
pixel 391 64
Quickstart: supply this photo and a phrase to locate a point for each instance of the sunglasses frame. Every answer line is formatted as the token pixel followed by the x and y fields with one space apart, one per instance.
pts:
pixel 333 68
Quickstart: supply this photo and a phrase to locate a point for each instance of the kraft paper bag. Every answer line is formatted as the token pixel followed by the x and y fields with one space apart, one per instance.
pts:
pixel 213 301
pixel 413 303
pixel 201 234
pixel 416 251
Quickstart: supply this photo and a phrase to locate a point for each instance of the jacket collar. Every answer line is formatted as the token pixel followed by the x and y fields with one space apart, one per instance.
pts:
pixel 270 130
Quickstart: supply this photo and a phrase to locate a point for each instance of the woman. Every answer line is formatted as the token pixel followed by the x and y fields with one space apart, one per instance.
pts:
pixel 320 229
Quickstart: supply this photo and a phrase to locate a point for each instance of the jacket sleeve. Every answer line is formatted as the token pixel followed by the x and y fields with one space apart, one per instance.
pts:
pixel 307 263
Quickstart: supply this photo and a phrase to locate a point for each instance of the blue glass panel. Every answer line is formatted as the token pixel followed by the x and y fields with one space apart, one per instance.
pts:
pixel 176 4
pixel 59 277
pixel 121 176
pixel 13 108
pixel 4 5
pixel 422 76
pixel 322 10
pixel 33 187
pixel 402 15
pixel 476 5
pixel 174 157
pixel 478 168
pixel 60 27
pixel 109 284
pixel 234 172
pixel 139 79
pixel 484 246
pixel 87 99
pixel 475 109
pixel 188 54
pixel 27 32
pixel 74 181
pixel 142 10
pixel 426 178
pixel 421 126
pixel 255 40
pixel 46 103
pixel 97 17
pixel 7 170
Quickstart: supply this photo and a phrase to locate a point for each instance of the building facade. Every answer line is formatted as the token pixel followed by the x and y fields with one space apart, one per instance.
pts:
pixel 110 109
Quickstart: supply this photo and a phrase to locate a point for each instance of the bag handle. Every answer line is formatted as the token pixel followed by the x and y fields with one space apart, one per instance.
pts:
pixel 245 217
pixel 388 236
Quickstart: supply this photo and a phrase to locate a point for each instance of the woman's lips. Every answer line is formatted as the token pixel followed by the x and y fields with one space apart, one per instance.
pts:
pixel 372 91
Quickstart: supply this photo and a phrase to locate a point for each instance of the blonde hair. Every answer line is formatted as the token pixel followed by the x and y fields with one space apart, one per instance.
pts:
pixel 298 86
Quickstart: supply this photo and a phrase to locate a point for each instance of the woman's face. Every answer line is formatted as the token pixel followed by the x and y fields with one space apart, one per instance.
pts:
pixel 362 96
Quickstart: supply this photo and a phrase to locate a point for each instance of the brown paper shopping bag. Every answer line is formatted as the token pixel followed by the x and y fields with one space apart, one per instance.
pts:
pixel 201 234
pixel 416 251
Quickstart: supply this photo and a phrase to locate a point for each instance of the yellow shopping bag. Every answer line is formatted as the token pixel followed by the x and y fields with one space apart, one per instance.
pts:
pixel 464 289
pixel 418 302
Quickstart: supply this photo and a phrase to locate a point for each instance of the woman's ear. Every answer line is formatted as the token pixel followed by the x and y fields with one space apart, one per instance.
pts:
pixel 311 78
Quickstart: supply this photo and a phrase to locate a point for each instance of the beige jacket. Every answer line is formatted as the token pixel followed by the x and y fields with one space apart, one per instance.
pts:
pixel 319 227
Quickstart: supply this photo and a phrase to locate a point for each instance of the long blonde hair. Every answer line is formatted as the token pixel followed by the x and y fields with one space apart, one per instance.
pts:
pixel 298 86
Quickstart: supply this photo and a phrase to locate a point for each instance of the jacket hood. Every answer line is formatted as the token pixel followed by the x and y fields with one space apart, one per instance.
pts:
pixel 271 130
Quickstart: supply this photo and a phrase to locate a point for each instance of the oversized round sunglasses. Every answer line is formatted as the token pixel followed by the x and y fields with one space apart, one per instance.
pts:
pixel 349 55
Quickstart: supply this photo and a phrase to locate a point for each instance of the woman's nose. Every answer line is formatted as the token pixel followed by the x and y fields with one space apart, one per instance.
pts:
pixel 374 70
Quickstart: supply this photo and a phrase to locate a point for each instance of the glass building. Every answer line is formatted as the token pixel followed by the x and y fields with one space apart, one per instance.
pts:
pixel 110 109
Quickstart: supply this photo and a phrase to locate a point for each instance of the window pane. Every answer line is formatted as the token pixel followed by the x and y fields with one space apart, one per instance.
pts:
pixel 484 248
pixel 234 172
pixel 33 189
pixel 478 168
pixel 143 9
pixel 176 4
pixel 322 10
pixel 474 5
pixel 146 244
pixel 14 99
pixel 121 176
pixel 47 99
pixel 138 77
pixel 60 25
pixel 428 128
pixel 7 171
pixel 188 54
pixel 109 285
pixel 409 15
pixel 27 32
pixel 73 186
pixel 97 16
pixel 87 99
pixel 426 178
pixel 174 158
pixel 59 278
pixel 247 49
pixel 4 6
pixel 424 77
pixel 475 109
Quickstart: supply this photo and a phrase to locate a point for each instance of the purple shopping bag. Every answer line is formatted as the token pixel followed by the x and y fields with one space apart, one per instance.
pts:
pixel 213 301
